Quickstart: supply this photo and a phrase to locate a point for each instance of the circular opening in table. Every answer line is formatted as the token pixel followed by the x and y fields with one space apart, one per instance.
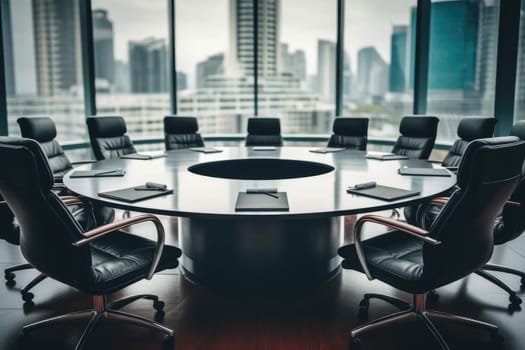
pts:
pixel 260 169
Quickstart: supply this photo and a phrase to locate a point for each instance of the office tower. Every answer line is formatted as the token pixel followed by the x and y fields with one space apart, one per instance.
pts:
pixel 121 76
pixel 9 62
pixel 398 59
pixel 213 65
pixel 57 50
pixel 326 69
pixel 103 46
pixel 241 37
pixel 293 63
pixel 347 76
pixel 372 73
pixel 148 65
pixel 182 81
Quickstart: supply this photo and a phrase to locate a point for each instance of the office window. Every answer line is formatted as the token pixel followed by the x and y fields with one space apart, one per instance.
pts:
pixel 214 52
pixel 43 64
pixel 462 62
pixel 130 40
pixel 379 51
pixel 519 106
pixel 296 66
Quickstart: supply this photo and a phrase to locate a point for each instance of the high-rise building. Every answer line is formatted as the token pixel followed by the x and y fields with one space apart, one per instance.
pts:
pixel 103 46
pixel 398 59
pixel 57 49
pixel 9 62
pixel 213 65
pixel 241 37
pixel 372 73
pixel 148 65
pixel 293 63
pixel 326 69
pixel 182 81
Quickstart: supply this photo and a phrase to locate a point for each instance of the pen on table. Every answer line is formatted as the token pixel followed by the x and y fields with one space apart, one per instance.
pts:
pixel 105 172
pixel 364 185
pixel 267 191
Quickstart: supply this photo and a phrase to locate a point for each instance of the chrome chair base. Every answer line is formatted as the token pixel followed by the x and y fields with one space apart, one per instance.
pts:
pixel 417 311
pixel 103 310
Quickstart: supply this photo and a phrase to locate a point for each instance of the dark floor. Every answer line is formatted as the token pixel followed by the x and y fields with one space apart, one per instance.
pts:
pixel 312 319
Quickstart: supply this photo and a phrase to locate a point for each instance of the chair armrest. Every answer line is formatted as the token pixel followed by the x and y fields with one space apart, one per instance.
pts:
pixel 440 200
pixel 105 229
pixel 398 225
pixel 81 162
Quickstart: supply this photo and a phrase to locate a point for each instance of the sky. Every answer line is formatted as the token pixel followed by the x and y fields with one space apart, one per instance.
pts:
pixel 202 27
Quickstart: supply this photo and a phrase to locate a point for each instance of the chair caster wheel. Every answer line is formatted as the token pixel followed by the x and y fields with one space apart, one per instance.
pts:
pixel 27 297
pixel 363 310
pixel 355 344
pixel 432 297
pixel 168 342
pixel 9 276
pixel 515 300
pixel 158 305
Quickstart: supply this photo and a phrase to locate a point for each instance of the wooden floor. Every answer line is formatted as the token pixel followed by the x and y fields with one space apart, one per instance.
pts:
pixel 204 319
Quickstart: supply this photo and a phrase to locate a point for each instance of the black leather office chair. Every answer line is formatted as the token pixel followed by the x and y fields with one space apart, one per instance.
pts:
pixel 181 132
pixel 98 262
pixel 458 242
pixel 108 137
pixel 349 133
pixel 264 132
pixel 418 135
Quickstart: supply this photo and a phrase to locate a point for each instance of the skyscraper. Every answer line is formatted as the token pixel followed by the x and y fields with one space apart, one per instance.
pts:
pixel 9 62
pixel 293 63
pixel 103 46
pixel 213 65
pixel 148 65
pixel 241 36
pixel 182 81
pixel 326 69
pixel 372 73
pixel 398 59
pixel 57 49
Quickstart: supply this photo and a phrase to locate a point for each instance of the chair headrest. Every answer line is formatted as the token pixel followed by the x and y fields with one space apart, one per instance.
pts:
pixel 476 128
pixel 180 125
pixel 481 153
pixel 419 126
pixel 42 129
pixel 20 157
pixel 351 126
pixel 518 130
pixel 107 126
pixel 264 126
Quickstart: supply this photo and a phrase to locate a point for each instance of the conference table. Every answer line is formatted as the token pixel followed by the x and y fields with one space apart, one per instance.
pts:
pixel 223 247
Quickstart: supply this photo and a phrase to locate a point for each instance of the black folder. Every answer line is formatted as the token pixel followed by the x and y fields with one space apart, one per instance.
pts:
pixel 98 173
pixel 142 156
pixel 327 150
pixel 205 149
pixel 385 156
pixel 262 202
pixel 384 192
pixel 424 171
pixel 132 195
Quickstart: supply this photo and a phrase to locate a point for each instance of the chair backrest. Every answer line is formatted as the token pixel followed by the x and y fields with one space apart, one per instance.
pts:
pixel 108 137
pixel 349 133
pixel 468 129
pixel 264 132
pixel 418 135
pixel 43 130
pixel 488 173
pixel 181 132
pixel 47 227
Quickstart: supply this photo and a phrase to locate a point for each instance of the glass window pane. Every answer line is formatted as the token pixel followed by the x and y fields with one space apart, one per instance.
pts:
pixel 215 53
pixel 297 63
pixel 379 51
pixel 462 62
pixel 131 63
pixel 43 64
pixel 519 106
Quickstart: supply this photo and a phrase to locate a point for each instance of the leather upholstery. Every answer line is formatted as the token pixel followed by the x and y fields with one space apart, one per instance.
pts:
pixel 468 129
pixel 48 229
pixel 43 130
pixel 489 172
pixel 181 132
pixel 264 132
pixel 108 137
pixel 349 133
pixel 418 135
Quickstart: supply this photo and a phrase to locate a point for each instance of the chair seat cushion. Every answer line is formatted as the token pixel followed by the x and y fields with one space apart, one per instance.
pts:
pixel 120 258
pixel 395 258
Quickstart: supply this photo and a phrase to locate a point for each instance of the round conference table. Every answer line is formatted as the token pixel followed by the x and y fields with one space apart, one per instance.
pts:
pixel 257 249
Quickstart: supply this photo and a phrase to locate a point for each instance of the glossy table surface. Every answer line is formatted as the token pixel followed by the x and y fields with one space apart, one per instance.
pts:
pixel 205 196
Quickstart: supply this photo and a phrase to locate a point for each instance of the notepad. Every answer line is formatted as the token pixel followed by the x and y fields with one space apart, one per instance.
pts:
pixel 327 150
pixel 205 149
pixel 385 156
pixel 142 156
pixel 384 192
pixel 424 171
pixel 98 173
pixel 131 195
pixel 264 148
pixel 261 202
